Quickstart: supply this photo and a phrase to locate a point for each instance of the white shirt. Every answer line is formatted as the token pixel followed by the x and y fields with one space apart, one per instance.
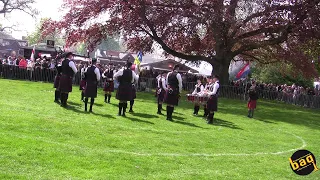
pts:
pixel 73 66
pixel 215 88
pixel 135 77
pixel 82 71
pixel 179 80
pixel 163 80
pixel 195 89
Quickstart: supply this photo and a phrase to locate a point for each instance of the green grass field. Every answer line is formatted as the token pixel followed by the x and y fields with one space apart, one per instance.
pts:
pixel 41 140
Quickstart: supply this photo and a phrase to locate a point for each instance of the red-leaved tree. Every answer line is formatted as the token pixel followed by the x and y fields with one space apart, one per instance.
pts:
pixel 216 31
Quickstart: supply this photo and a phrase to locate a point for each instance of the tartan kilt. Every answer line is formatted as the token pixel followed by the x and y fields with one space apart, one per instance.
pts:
pixel 56 81
pixel 212 104
pixel 161 94
pixel 91 89
pixel 124 92
pixel 172 97
pixel 65 84
pixel 82 84
pixel 134 92
pixel 252 104
pixel 108 86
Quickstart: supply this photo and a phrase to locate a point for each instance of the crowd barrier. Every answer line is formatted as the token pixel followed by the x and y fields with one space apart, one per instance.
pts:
pixel 147 84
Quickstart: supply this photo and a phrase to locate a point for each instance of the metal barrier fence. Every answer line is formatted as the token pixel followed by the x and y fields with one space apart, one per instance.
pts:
pixel 147 84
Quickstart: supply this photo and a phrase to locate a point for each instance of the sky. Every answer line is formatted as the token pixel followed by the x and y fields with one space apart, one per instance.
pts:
pixel 25 23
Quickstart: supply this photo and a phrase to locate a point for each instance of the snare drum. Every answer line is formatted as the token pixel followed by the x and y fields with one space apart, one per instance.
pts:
pixel 190 97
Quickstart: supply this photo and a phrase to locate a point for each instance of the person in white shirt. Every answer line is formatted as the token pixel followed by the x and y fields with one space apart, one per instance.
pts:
pixel 65 84
pixel 161 91
pixel 92 77
pixel 212 104
pixel 125 77
pixel 174 88
pixel 83 81
pixel 199 88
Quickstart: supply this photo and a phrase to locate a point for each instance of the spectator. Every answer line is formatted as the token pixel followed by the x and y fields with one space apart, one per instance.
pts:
pixel 23 64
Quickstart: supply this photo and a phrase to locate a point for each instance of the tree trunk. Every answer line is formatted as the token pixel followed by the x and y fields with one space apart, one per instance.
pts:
pixel 222 70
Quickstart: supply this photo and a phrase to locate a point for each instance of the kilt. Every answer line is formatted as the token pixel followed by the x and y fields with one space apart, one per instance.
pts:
pixel 82 84
pixel 172 97
pixel 108 86
pixel 134 92
pixel 124 92
pixel 252 104
pixel 91 89
pixel 212 104
pixel 65 84
pixel 161 94
pixel 56 81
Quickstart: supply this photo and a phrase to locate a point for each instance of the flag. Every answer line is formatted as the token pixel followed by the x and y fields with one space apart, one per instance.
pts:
pixel 33 53
pixel 138 59
pixel 243 72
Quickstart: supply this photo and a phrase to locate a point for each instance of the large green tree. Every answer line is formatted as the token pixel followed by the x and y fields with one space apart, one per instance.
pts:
pixel 35 37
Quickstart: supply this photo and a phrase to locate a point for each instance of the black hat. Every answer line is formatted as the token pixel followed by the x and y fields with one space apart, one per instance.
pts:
pixel 217 77
pixel 129 64
pixel 176 66
pixel 68 54
pixel 94 60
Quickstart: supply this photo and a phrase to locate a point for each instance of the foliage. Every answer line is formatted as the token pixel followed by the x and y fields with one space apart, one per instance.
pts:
pixel 280 73
pixel 35 37
pixel 215 31
pixel 7 6
pixel 41 140
pixel 110 43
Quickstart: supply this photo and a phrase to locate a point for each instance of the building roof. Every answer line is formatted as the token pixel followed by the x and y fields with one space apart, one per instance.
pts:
pixel 4 35
pixel 167 65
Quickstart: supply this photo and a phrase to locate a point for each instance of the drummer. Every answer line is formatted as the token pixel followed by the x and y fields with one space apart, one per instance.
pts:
pixel 206 90
pixel 198 90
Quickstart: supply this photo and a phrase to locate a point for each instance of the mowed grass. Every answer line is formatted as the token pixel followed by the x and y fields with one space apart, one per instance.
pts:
pixel 41 140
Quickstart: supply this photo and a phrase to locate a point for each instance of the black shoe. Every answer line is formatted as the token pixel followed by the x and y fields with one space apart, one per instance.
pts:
pixel 160 113
pixel 169 119
pixel 57 101
pixel 210 122
pixel 131 111
pixel 119 114
pixel 123 115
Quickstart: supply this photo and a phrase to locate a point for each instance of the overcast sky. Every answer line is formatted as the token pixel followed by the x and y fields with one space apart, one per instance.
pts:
pixel 25 23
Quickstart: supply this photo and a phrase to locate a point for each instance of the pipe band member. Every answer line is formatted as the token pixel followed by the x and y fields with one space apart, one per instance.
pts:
pixel 174 88
pixel 161 91
pixel 125 77
pixel 65 84
pixel 212 104
pixel 92 77
pixel 197 90
pixel 109 84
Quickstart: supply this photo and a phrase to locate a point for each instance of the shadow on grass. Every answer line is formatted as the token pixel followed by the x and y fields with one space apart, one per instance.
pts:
pixel 138 120
pixel 142 115
pixel 188 124
pixel 178 118
pixel 223 123
pixel 103 115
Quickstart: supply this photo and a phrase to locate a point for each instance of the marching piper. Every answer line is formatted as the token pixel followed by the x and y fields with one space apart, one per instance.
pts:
pixel 109 84
pixel 56 82
pixel 92 77
pixel 161 91
pixel 134 89
pixel 83 81
pixel 65 84
pixel 206 90
pixel 125 78
pixel 212 104
pixel 199 88
pixel 174 88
